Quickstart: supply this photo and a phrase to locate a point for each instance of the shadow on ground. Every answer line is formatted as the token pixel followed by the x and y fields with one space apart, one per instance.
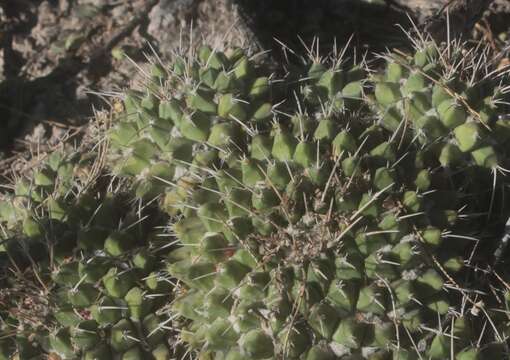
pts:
pixel 371 25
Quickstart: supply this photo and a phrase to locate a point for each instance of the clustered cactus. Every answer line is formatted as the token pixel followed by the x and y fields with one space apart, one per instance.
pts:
pixel 334 214
pixel 98 261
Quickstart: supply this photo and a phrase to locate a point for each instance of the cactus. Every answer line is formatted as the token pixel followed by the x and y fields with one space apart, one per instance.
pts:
pixel 441 101
pixel 281 253
pixel 443 107
pixel 321 218
pixel 90 264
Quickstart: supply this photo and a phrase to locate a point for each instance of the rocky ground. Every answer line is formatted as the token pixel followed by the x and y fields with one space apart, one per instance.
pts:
pixel 56 56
